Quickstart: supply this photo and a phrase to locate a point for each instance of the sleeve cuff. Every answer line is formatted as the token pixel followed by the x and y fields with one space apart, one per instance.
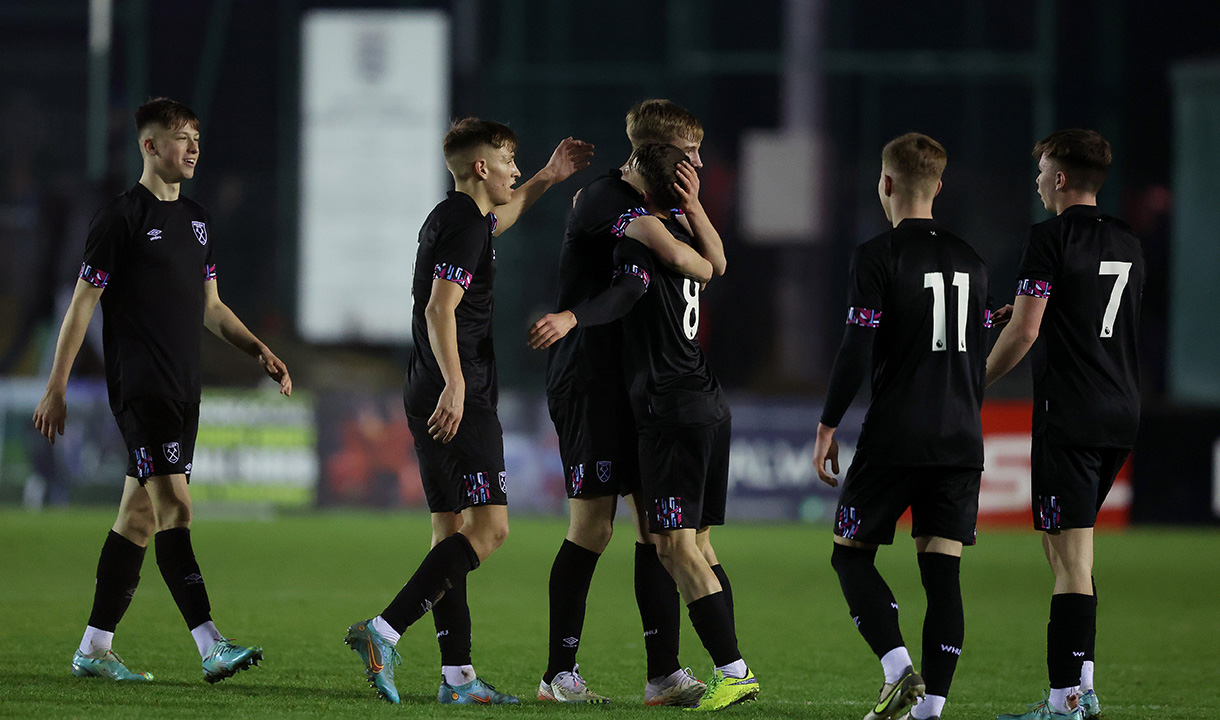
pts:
pixel 452 273
pixel 1040 289
pixel 863 317
pixel 93 276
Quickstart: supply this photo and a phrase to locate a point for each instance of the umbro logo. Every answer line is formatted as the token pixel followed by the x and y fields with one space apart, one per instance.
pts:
pixel 571 642
pixel 193 579
pixel 154 235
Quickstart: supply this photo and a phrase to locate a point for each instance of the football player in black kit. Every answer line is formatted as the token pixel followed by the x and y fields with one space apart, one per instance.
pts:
pixel 1080 280
pixel 680 413
pixel 148 260
pixel 917 320
pixel 450 399
pixel 588 403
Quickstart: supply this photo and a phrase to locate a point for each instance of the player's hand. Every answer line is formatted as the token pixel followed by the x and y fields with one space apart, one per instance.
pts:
pixel 826 448
pixel 1000 317
pixel 569 156
pixel 50 415
pixel 443 424
pixel 550 329
pixel 276 370
pixel 688 188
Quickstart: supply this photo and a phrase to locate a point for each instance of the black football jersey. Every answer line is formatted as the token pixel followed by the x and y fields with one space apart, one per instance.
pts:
pixel 152 259
pixel 924 290
pixel 669 380
pixel 1090 269
pixel 588 359
pixel 454 245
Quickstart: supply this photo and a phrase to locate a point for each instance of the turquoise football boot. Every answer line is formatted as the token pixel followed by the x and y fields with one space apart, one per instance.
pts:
pixel 106 664
pixel 1044 711
pixel 379 658
pixel 226 658
pixel 1090 704
pixel 475 692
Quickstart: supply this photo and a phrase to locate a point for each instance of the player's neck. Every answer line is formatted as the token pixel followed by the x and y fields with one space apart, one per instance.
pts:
pixel 900 210
pixel 477 192
pixel 1065 200
pixel 162 190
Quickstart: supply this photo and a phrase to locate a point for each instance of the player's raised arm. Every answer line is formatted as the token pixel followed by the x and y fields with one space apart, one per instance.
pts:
pixel 52 411
pixel 570 156
pixel 693 216
pixel 224 324
pixel 671 252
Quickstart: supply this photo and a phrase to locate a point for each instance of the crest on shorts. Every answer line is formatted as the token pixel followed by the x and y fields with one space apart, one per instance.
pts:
pixel 172 451
pixel 201 231
pixel 603 470
pixel 503 482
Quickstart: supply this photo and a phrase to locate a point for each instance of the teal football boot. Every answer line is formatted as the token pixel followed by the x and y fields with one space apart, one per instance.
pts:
pixel 379 658
pixel 1044 711
pixel 106 664
pixel 475 692
pixel 225 659
pixel 1090 704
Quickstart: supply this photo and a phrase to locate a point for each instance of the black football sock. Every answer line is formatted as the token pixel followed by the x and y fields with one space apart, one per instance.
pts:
pixel 723 577
pixel 451 615
pixel 660 605
pixel 571 574
pixel 1091 641
pixel 944 625
pixel 1073 619
pixel 869 599
pixel 118 574
pixel 446 563
pixel 714 625
pixel 176 559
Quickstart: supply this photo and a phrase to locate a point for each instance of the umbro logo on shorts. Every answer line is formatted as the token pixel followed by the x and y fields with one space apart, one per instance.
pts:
pixel 503 482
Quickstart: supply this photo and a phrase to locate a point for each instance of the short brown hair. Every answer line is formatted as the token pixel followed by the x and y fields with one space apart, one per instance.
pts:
pixel 660 121
pixel 471 132
pixel 657 164
pixel 169 114
pixel 1083 154
pixel 917 159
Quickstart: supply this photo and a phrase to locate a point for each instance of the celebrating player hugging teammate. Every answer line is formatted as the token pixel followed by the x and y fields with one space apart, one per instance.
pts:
pixel 587 398
pixel 450 399
pixel 917 319
pixel 149 261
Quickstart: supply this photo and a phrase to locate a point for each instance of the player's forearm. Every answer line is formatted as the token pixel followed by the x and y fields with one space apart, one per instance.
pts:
pixel 442 336
pixel 1010 347
pixel 610 304
pixel 71 337
pixel 523 198
pixel 710 246
pixel 225 325
pixel 848 372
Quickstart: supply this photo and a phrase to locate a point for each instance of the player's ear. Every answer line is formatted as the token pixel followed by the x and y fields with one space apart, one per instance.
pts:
pixel 1061 180
pixel 887 183
pixel 148 145
pixel 480 169
pixel 939 185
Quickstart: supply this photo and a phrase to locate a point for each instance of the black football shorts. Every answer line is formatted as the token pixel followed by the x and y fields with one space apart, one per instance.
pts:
pixel 598 443
pixel 469 470
pixel 1070 483
pixel 684 473
pixel 944 501
pixel 160 436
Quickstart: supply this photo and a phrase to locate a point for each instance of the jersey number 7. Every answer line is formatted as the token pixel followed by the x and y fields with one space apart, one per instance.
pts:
pixel 1122 273
pixel 936 282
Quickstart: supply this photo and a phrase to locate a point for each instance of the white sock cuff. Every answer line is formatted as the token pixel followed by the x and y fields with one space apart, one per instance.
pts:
pixel 736 669
pixel 95 641
pixel 894 662
pixel 458 674
pixel 205 635
pixel 385 630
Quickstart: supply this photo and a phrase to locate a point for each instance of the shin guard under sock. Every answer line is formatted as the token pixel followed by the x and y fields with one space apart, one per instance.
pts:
pixel 660 605
pixel 446 563
pixel 1073 619
pixel 944 624
pixel 176 559
pixel 451 615
pixel 714 625
pixel 118 575
pixel 869 599
pixel 571 574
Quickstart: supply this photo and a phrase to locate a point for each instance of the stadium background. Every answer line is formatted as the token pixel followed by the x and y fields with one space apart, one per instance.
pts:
pixel 797 98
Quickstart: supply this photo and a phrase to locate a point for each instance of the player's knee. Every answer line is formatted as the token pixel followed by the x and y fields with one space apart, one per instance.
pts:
pixel 174 515
pixel 592 534
pixel 136 524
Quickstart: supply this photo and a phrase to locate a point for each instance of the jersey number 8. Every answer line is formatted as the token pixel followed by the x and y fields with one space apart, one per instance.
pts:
pixel 690 316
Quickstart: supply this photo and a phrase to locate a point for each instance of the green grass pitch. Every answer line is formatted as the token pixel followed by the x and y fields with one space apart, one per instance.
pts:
pixel 294 584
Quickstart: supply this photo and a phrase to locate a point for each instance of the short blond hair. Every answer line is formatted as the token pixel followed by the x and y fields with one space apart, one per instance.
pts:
pixel 660 121
pixel 917 161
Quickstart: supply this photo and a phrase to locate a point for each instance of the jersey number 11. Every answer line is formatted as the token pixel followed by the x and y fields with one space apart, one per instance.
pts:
pixel 940 317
